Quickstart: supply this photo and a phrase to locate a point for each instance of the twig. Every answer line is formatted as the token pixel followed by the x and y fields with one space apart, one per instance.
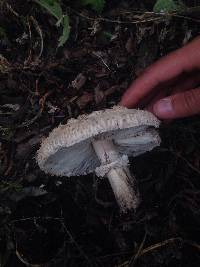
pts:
pixel 64 227
pixel 66 230
pixel 25 262
pixel 185 17
pixel 160 244
pixel 183 158
pixel 42 104
pixel 39 31
pixel 193 244
pixel 160 17
pixel 138 253
pixel 77 246
pixel 9 7
pixel 30 37
pixel 153 247
pixel 98 56
pixel 116 21
pixel 36 218
pixel 7 171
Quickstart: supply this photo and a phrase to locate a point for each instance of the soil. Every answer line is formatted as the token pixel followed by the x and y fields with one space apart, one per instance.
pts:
pixel 53 221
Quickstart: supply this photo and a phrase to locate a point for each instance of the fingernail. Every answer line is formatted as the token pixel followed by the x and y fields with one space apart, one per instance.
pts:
pixel 163 106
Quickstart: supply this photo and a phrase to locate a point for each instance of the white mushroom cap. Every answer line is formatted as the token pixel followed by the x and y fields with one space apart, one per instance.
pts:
pixel 68 150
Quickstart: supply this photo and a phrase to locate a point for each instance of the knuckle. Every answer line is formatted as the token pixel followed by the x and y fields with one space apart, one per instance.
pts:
pixel 191 100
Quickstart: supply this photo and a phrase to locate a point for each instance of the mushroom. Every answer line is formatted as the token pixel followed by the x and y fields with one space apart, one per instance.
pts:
pixel 101 142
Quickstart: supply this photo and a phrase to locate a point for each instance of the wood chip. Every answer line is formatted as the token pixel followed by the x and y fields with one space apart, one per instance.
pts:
pixel 130 46
pixel 84 100
pixel 79 81
pixel 98 95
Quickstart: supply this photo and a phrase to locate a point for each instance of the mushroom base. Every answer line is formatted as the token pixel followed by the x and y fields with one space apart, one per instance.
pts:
pixel 123 184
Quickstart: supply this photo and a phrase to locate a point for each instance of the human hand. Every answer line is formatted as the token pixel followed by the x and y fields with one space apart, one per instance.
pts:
pixel 170 87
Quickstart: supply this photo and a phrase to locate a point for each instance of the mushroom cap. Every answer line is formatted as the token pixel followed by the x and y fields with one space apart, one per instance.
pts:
pixel 68 150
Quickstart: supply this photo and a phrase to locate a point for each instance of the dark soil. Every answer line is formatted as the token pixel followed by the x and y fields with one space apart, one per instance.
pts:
pixel 53 221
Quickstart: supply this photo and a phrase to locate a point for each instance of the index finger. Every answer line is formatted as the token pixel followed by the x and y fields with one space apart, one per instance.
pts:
pixel 182 60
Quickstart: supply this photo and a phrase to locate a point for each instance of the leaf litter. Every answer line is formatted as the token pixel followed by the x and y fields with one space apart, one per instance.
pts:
pixel 73 222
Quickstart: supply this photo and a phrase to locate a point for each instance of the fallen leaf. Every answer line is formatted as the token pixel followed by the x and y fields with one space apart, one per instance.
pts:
pixel 84 100
pixel 31 191
pixel 130 46
pixel 79 81
pixel 98 95
pixel 111 90
pixel 26 148
pixel 14 107
pixel 76 53
pixel 52 109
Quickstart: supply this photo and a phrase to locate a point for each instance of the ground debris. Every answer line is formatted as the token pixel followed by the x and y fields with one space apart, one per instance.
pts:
pixel 42 87
pixel 84 100
pixel 79 81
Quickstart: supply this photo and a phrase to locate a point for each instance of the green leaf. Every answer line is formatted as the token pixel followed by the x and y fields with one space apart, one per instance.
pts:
pixel 52 6
pixel 2 32
pixel 66 31
pixel 167 6
pixel 97 5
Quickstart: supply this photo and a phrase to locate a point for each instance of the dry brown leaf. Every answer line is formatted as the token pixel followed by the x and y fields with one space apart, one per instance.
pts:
pixel 84 100
pixel 111 90
pixel 98 95
pixel 130 46
pixel 79 81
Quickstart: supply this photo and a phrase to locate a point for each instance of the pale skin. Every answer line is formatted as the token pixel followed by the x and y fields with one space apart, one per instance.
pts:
pixel 170 87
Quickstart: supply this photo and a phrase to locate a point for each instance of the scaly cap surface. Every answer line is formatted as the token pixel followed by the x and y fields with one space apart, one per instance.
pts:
pixel 68 151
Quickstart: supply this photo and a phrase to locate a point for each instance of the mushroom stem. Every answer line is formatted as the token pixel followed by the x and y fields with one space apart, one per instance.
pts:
pixel 122 183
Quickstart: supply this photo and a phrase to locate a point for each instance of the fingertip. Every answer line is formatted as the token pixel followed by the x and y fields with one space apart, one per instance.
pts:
pixel 122 102
pixel 148 107
pixel 125 102
pixel 164 109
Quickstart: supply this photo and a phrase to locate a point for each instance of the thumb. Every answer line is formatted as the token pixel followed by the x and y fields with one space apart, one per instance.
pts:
pixel 179 105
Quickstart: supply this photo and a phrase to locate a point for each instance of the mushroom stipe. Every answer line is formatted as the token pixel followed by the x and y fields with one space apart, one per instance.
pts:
pixel 101 142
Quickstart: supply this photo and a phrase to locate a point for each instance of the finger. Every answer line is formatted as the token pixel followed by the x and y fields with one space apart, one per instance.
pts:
pixel 180 105
pixel 160 91
pixel 182 60
pixel 183 84
pixel 187 82
pixel 159 96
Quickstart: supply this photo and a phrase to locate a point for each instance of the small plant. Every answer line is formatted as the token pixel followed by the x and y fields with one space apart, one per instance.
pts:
pixel 97 5
pixel 2 32
pixel 4 68
pixel 167 6
pixel 10 187
pixel 55 9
